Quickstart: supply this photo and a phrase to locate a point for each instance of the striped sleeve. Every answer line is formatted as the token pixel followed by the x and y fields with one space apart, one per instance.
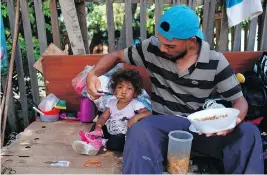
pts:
pixel 226 82
pixel 134 55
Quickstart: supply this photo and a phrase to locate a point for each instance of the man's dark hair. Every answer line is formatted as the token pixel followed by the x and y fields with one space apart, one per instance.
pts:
pixel 128 75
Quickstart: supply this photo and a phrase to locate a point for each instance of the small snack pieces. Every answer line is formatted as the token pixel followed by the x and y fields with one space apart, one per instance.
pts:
pixel 177 165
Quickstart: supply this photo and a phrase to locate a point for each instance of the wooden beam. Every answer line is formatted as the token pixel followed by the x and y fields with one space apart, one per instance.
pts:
pixel 223 42
pixel 252 34
pixel 245 37
pixel 19 67
pixel 111 26
pixel 210 25
pixel 158 13
pixel 237 39
pixel 81 14
pixel 264 31
pixel 72 25
pixel 129 22
pixel 11 116
pixel 175 2
pixel 29 46
pixel 54 23
pixel 39 15
pixel 143 16
pixel 205 17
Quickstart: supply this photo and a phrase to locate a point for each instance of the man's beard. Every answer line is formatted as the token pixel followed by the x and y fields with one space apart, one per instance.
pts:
pixel 177 57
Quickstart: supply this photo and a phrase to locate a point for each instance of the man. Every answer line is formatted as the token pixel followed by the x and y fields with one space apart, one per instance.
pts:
pixel 184 72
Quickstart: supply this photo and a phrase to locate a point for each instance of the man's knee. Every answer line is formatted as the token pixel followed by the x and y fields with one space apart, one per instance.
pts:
pixel 140 130
pixel 246 128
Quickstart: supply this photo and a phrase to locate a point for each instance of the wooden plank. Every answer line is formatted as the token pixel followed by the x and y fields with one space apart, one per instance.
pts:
pixel 54 23
pixel 210 25
pixel 218 30
pixel 264 32
pixel 158 13
pixel 143 16
pixel 19 67
pixel 111 26
pixel 129 22
pixel 58 143
pixel 237 39
pixel 39 15
pixel 72 25
pixel 232 30
pixel 206 9
pixel 11 117
pixel 252 34
pixel 194 4
pixel 246 36
pixel 223 43
pixel 81 14
pixel 174 2
pixel 29 46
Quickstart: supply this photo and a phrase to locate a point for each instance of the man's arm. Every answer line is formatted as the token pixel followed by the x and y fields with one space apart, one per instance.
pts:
pixel 104 65
pixel 107 63
pixel 242 105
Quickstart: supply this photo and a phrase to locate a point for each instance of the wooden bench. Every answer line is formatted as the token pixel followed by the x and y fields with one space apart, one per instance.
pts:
pixel 59 70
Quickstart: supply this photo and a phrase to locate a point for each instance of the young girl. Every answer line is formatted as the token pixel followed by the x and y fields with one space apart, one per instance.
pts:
pixel 122 111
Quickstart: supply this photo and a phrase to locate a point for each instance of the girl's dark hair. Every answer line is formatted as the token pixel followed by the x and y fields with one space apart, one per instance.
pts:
pixel 128 75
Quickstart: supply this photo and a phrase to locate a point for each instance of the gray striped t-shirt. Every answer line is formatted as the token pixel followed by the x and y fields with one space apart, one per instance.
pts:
pixel 181 94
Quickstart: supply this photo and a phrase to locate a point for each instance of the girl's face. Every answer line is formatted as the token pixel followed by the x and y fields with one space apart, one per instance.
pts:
pixel 124 91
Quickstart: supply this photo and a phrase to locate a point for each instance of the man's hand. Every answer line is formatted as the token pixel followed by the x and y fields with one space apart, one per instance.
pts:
pixel 132 121
pixel 223 133
pixel 93 84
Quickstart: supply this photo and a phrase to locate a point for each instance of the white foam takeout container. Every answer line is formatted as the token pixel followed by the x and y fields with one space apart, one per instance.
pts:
pixel 216 125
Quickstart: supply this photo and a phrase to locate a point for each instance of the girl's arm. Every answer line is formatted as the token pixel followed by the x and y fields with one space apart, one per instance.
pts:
pixel 141 114
pixel 102 119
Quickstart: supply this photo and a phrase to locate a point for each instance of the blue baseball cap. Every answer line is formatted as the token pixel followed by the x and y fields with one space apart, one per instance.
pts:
pixel 179 22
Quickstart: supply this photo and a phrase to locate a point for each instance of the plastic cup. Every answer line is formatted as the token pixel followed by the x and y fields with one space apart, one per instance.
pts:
pixel 179 150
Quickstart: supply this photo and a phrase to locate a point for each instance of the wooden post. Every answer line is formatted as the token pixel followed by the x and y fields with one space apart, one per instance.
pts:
pixel 11 119
pixel 210 25
pixel 175 2
pixel 54 23
pixel 264 32
pixel 111 26
pixel 223 43
pixel 29 46
pixel 218 29
pixel 158 13
pixel 245 37
pixel 237 39
pixel 143 16
pixel 206 9
pixel 252 34
pixel 40 25
pixel 129 22
pixel 81 13
pixel 19 67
